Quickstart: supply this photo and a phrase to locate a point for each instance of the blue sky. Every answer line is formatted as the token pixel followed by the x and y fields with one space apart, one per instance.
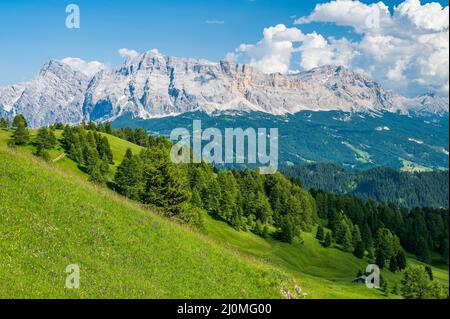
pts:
pixel 33 32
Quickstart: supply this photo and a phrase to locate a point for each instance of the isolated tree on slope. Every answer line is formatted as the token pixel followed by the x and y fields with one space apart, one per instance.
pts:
pixel 21 135
pixel 19 119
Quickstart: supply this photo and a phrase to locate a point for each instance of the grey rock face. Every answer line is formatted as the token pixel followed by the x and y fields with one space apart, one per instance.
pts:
pixel 153 85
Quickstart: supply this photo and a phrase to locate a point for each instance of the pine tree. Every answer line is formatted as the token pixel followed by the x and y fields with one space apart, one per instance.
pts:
pixel 129 176
pixel 104 149
pixel 401 260
pixel 359 250
pixel 21 135
pixel 328 240
pixel 347 241
pixel 166 184
pixel 108 128
pixel 19 119
pixel 91 158
pixel 429 271
pixel 95 174
pixel 380 259
pixel 287 230
pixel 393 265
pixel 320 233
pixel 370 254
pixel 45 140
pixel 100 127
pixel 384 286
pixel 4 123
pixel 92 126
pixel 140 137
pixel 356 235
pixel 422 250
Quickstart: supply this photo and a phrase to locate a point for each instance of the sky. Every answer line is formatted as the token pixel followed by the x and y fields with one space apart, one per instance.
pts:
pixel 274 36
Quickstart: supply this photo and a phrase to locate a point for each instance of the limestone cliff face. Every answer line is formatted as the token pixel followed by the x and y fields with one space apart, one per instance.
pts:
pixel 153 85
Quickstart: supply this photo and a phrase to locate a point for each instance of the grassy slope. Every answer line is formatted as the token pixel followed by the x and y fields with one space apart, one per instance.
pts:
pixel 118 147
pixel 322 273
pixel 50 219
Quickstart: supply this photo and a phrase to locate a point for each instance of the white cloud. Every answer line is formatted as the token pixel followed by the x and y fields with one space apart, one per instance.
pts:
pixel 87 68
pixel 127 53
pixel 363 18
pixel 315 51
pixel 215 22
pixel 273 53
pixel 407 50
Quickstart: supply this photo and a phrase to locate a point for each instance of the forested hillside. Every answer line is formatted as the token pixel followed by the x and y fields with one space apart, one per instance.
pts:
pixel 272 207
pixel 405 189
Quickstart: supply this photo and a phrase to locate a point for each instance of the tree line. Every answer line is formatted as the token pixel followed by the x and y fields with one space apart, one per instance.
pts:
pixel 384 228
pixel 382 184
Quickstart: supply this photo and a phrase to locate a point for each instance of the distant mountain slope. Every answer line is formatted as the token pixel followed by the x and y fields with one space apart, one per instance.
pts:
pixel 353 140
pixel 427 189
pixel 153 85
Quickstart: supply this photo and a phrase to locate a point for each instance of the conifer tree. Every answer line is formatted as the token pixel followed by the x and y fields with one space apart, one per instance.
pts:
pixel 393 266
pixel 108 128
pixel 129 176
pixel 401 260
pixel 328 240
pixel 166 184
pixel 95 174
pixel 19 119
pixel 359 250
pixel 100 127
pixel 384 286
pixel 429 271
pixel 4 123
pixel 320 233
pixel 45 139
pixel 91 158
pixel 21 135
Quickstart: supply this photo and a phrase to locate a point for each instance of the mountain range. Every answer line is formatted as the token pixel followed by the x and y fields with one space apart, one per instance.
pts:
pixel 155 86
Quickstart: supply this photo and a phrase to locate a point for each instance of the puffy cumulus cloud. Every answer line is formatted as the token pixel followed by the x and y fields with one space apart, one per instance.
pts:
pixel 407 51
pixel 363 18
pixel 273 53
pixel 315 51
pixel 87 68
pixel 127 53
pixel 430 16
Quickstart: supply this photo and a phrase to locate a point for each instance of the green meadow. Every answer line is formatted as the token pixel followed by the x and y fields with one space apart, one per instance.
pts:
pixel 51 216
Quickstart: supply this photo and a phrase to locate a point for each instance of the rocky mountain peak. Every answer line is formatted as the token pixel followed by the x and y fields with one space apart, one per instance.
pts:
pixel 154 85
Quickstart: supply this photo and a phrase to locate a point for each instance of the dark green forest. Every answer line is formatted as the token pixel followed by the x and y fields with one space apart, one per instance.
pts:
pixel 382 184
pixel 268 205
